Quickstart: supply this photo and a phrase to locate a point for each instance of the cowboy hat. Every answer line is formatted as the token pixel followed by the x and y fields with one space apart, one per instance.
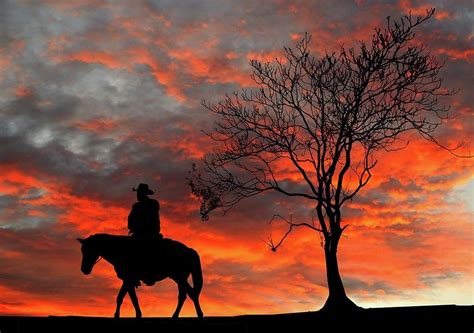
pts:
pixel 143 188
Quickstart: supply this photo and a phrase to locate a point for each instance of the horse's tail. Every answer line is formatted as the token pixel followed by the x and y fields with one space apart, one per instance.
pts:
pixel 196 272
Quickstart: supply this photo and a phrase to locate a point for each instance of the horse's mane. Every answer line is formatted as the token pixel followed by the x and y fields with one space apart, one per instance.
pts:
pixel 106 240
pixel 117 240
pixel 107 237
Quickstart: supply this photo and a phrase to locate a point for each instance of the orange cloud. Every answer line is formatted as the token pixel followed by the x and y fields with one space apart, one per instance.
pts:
pixel 97 125
pixel 365 255
pixel 265 56
pixel 96 57
pixel 22 91
pixel 163 74
pixel 408 6
pixel 211 69
pixel 467 55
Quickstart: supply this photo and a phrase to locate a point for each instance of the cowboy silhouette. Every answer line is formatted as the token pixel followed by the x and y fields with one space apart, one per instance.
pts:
pixel 144 218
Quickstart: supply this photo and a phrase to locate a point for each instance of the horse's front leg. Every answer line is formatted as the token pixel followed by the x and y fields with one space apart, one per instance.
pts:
pixel 120 296
pixel 134 299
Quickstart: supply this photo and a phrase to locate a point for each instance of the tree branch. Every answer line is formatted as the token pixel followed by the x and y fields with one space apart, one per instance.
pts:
pixel 291 225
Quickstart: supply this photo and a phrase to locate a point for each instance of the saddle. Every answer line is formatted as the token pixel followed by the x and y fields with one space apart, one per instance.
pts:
pixel 145 260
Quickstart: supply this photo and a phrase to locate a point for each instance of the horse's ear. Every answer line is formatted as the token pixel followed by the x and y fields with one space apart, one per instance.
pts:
pixel 80 240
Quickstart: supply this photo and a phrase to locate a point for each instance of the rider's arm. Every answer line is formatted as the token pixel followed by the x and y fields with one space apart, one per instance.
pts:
pixel 132 221
pixel 156 211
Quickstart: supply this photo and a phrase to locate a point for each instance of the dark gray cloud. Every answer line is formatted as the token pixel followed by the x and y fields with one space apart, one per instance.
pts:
pixel 372 288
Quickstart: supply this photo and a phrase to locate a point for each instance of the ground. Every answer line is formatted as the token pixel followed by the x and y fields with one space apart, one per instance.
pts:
pixel 445 318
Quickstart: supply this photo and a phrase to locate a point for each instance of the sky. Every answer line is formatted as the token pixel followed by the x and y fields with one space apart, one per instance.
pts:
pixel 98 96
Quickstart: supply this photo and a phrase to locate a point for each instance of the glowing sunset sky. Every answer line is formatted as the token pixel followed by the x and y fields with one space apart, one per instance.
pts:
pixel 98 96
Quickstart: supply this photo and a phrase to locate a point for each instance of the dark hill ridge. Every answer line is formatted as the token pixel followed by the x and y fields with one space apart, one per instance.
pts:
pixel 443 318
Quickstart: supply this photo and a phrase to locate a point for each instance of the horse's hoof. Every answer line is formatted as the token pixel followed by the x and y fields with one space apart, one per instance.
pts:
pixel 116 315
pixel 138 316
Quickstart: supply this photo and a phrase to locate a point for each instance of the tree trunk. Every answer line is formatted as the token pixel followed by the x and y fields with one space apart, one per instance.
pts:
pixel 337 299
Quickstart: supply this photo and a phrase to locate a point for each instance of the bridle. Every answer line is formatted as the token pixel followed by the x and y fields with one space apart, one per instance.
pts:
pixel 98 259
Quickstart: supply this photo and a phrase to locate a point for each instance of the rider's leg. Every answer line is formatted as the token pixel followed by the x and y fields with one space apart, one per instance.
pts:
pixel 120 296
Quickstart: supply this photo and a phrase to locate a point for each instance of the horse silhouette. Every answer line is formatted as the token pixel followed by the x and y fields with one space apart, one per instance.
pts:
pixel 165 259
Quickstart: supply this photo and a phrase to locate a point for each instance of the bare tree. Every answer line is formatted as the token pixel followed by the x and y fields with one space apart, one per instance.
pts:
pixel 326 117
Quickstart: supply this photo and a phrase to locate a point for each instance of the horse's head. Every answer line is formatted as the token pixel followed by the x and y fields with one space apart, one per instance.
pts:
pixel 90 254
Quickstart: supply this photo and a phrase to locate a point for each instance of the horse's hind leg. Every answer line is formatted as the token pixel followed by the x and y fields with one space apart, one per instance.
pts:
pixel 195 297
pixel 181 299
pixel 134 299
pixel 120 296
